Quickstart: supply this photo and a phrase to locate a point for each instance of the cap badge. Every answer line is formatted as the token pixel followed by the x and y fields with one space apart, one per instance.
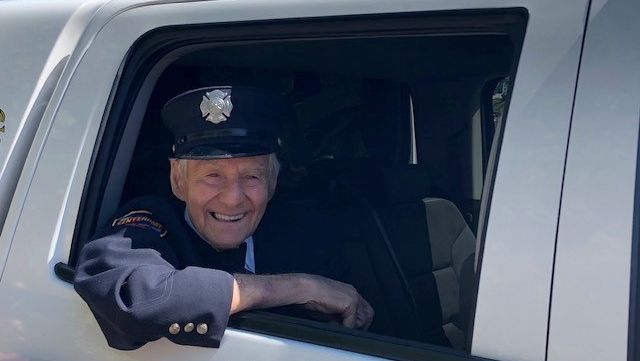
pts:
pixel 216 105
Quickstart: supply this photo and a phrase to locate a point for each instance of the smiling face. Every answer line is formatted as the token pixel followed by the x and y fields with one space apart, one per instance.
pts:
pixel 225 198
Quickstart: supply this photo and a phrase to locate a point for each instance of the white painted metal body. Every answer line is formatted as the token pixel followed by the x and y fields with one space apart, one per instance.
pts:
pixel 43 318
pixel 591 293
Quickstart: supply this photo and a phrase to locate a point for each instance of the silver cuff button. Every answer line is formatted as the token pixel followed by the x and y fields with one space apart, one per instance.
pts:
pixel 202 328
pixel 189 327
pixel 174 329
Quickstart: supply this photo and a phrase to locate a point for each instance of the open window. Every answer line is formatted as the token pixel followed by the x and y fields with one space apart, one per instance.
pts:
pixel 384 148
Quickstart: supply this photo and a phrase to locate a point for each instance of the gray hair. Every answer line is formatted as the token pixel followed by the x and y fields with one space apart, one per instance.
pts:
pixel 272 171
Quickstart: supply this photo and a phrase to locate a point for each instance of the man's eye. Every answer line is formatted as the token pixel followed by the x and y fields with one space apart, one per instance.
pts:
pixel 253 178
pixel 212 178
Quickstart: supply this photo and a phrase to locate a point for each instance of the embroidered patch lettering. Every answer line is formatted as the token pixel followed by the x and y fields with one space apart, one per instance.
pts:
pixel 140 219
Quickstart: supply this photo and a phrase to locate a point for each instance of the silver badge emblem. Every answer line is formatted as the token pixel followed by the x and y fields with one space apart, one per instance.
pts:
pixel 216 105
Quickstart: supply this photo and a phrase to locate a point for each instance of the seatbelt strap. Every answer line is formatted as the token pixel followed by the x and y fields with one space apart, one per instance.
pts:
pixel 385 237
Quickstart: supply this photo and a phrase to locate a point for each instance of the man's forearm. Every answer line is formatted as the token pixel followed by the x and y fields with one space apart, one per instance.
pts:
pixel 315 293
pixel 265 291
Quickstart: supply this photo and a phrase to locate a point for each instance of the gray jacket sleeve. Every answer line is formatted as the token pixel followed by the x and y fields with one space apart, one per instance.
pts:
pixel 128 280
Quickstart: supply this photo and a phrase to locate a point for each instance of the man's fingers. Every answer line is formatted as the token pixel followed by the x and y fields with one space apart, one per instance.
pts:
pixel 349 317
pixel 333 297
pixel 370 314
pixel 364 314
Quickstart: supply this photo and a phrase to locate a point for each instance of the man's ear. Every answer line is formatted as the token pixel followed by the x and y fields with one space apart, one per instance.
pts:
pixel 177 176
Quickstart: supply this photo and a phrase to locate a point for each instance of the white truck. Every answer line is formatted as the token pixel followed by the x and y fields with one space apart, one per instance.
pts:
pixel 549 189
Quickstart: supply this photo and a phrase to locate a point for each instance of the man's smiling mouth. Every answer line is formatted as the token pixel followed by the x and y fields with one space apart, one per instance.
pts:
pixel 227 218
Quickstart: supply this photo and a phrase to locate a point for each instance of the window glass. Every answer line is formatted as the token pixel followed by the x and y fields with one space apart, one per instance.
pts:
pixel 345 168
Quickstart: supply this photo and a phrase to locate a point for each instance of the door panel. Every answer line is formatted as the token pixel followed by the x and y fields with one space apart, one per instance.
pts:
pixel 43 313
pixel 35 44
pixel 520 231
pixel 590 306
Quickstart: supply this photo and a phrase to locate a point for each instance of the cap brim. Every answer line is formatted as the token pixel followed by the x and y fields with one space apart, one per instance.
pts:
pixel 222 151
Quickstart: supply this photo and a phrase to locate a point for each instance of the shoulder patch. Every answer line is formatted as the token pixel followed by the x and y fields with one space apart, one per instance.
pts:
pixel 140 219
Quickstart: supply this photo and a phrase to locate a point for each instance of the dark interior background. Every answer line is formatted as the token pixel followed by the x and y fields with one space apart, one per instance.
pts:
pixel 352 102
pixel 348 148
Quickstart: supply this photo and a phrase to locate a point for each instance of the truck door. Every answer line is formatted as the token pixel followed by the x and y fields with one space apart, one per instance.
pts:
pixel 77 167
pixel 596 259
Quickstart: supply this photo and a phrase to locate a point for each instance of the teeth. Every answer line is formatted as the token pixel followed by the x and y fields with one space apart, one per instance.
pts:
pixel 224 217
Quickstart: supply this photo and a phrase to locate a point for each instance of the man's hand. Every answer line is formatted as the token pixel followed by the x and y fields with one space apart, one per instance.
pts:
pixel 313 292
pixel 336 298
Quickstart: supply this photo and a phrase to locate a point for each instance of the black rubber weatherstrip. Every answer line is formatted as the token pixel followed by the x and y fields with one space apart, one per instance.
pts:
pixel 64 272
pixel 345 339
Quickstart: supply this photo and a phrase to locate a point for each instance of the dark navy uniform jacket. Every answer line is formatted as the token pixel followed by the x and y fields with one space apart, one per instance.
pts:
pixel 148 270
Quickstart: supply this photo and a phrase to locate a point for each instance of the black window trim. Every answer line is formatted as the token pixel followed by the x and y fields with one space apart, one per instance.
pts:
pixel 633 339
pixel 159 43
pixel 338 337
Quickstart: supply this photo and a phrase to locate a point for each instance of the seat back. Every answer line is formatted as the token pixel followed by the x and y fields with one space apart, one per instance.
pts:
pixel 422 248
pixel 452 254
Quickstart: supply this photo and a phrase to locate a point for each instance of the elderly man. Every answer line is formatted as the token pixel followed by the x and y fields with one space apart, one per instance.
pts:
pixel 178 270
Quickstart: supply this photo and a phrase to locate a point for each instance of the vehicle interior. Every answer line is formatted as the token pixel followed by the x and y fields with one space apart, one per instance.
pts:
pixel 388 154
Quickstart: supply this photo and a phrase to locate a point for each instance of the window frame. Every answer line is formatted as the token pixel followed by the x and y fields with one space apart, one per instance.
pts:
pixel 160 43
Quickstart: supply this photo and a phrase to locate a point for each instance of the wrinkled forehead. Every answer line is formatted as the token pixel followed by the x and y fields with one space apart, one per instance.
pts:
pixel 241 164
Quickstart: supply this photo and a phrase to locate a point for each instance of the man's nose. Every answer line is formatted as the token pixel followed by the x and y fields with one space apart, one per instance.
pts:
pixel 231 194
